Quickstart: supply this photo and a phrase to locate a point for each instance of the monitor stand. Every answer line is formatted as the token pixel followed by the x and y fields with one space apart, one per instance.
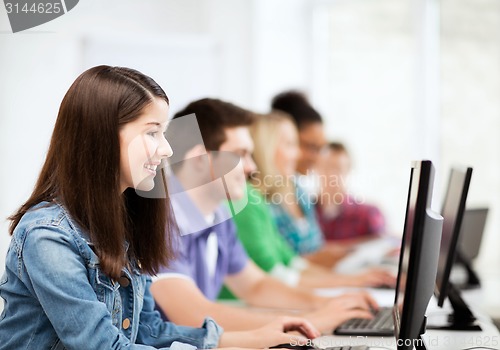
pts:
pixel 472 278
pixel 461 319
pixel 420 344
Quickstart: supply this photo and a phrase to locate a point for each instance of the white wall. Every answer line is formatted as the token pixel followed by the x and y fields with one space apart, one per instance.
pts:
pixel 471 112
pixel 281 41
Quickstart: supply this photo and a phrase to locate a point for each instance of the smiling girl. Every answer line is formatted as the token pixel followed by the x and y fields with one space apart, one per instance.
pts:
pixel 97 224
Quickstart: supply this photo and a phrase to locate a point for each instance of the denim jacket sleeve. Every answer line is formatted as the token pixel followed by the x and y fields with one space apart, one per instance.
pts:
pixel 57 274
pixel 154 331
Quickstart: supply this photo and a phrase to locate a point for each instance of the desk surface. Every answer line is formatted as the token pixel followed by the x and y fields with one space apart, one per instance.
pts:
pixel 489 336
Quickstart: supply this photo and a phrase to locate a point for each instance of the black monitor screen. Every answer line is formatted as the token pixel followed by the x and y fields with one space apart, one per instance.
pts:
pixel 452 212
pixel 418 257
pixel 406 244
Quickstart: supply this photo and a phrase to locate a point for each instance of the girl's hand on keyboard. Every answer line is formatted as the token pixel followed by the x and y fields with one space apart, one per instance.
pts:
pixel 273 333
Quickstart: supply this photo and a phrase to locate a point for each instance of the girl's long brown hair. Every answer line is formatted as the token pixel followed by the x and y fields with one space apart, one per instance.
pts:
pixel 82 171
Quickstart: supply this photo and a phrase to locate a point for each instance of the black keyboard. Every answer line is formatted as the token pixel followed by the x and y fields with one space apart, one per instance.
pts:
pixel 380 325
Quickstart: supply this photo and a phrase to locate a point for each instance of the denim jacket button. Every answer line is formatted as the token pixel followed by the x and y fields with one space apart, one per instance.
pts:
pixel 124 281
pixel 126 323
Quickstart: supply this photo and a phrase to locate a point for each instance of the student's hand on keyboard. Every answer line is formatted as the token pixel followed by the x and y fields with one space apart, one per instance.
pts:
pixel 342 308
pixel 356 300
pixel 273 333
pixel 374 277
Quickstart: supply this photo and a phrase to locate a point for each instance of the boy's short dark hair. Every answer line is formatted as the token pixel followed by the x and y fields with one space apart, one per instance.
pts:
pixel 296 104
pixel 214 116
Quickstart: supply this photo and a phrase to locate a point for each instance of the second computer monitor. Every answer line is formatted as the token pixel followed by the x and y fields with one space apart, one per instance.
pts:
pixel 453 211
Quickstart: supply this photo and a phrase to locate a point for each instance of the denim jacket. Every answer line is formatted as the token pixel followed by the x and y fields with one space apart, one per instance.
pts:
pixel 57 297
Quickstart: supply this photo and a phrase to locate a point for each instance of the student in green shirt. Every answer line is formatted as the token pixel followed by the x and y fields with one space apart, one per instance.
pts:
pixel 259 235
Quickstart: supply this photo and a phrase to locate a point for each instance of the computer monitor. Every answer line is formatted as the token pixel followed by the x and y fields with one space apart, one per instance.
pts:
pixel 418 259
pixel 471 232
pixel 453 213
pixel 469 242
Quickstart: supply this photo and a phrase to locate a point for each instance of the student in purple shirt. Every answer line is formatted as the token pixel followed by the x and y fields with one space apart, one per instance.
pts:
pixel 216 242
pixel 210 253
